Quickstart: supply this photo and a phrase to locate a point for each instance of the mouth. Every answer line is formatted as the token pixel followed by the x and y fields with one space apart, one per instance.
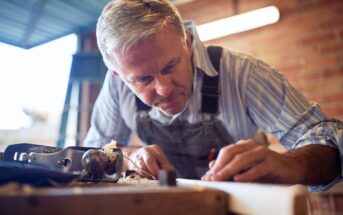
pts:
pixel 168 103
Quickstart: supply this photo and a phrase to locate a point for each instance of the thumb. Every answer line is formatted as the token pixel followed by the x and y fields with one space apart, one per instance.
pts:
pixel 211 164
pixel 165 164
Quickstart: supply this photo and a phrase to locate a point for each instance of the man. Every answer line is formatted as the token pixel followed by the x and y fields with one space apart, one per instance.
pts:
pixel 200 111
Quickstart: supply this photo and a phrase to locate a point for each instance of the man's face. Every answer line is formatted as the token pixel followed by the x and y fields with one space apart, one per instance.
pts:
pixel 159 70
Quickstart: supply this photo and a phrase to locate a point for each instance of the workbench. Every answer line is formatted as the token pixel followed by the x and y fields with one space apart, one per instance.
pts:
pixel 188 197
pixel 106 199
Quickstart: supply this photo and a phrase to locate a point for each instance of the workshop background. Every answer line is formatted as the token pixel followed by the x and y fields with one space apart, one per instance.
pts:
pixel 306 44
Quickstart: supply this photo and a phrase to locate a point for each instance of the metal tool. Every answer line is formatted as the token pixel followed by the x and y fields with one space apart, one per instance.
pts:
pixel 82 161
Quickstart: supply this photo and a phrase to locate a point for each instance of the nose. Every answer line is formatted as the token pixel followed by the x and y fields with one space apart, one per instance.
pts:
pixel 163 85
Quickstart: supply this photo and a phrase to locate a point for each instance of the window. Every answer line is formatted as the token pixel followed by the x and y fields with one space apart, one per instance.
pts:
pixel 33 85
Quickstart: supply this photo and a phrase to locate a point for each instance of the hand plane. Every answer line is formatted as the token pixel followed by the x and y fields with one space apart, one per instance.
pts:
pixel 85 164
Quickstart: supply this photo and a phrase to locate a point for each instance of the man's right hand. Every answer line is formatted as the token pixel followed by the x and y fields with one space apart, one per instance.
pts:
pixel 150 159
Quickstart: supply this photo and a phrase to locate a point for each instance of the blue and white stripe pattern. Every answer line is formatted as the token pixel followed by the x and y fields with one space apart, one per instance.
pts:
pixel 252 96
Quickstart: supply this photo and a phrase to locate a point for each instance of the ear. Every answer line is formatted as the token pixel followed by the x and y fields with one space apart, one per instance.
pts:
pixel 114 73
pixel 189 42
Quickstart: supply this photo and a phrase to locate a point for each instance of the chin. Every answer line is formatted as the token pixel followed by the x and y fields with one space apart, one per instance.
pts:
pixel 171 112
pixel 173 108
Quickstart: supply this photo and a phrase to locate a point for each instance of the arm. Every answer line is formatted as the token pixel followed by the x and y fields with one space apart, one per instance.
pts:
pixel 319 164
pixel 315 142
pixel 107 124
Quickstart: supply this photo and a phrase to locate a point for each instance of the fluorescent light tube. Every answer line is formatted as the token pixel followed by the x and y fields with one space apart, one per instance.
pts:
pixel 239 23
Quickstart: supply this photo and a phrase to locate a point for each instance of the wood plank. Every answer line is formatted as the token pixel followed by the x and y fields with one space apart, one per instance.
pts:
pixel 258 199
pixel 148 199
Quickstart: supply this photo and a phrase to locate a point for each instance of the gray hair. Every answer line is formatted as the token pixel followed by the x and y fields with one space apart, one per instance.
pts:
pixel 124 23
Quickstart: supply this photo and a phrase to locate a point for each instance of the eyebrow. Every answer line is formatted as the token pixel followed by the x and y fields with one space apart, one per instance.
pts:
pixel 172 63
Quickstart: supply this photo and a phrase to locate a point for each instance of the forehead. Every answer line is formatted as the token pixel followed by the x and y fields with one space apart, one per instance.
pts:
pixel 152 53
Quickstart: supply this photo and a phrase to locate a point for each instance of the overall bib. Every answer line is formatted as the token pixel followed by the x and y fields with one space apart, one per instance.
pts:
pixel 186 145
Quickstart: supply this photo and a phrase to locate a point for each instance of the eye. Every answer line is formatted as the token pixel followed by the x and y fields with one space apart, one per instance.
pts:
pixel 168 69
pixel 145 79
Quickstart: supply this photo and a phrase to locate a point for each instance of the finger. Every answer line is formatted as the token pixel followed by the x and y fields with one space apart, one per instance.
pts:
pixel 152 165
pixel 140 167
pixel 134 160
pixel 145 172
pixel 206 176
pixel 253 174
pixel 162 159
pixel 211 164
pixel 165 163
pixel 226 154
pixel 271 170
pixel 241 162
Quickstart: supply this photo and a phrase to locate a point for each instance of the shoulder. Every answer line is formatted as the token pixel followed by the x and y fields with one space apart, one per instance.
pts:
pixel 238 57
pixel 240 63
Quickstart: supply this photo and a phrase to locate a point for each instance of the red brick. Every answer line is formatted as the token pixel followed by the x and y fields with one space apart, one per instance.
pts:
pixel 216 10
pixel 334 97
pixel 320 87
pixel 333 111
pixel 333 47
pixel 292 68
pixel 322 73
pixel 331 24
pixel 320 2
pixel 333 73
pixel 317 38
pixel 335 6
pixel 323 62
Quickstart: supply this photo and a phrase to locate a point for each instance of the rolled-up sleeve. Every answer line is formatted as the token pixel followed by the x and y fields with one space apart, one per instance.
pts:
pixel 278 108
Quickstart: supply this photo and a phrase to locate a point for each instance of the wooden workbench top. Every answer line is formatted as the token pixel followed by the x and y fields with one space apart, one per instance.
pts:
pixel 103 199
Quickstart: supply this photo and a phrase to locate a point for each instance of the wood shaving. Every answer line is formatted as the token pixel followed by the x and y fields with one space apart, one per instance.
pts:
pixel 112 145
pixel 108 149
pixel 135 179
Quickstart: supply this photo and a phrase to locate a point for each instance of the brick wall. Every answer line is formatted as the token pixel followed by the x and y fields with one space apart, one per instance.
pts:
pixel 306 44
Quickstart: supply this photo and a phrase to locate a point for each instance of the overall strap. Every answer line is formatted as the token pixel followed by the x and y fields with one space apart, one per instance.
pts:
pixel 210 86
pixel 141 106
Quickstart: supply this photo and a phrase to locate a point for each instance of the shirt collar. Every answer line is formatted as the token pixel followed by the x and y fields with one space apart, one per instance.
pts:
pixel 201 60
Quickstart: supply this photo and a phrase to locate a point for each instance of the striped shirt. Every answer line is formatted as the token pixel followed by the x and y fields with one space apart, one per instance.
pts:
pixel 252 96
